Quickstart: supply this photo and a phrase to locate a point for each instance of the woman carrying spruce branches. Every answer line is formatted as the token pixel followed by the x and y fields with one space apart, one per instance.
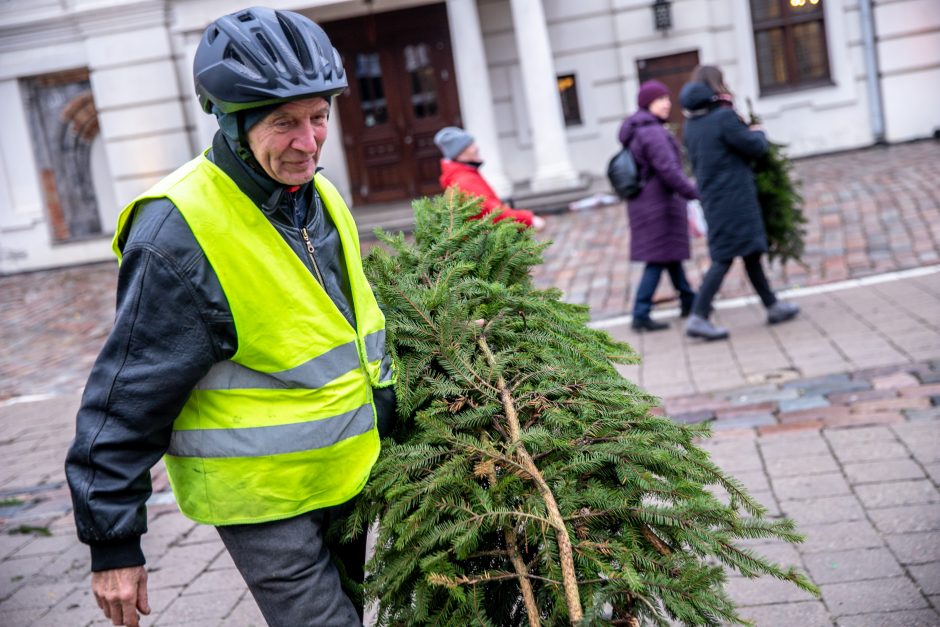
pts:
pixel 721 147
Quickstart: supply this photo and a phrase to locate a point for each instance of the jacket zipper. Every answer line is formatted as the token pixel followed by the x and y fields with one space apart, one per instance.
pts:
pixel 311 252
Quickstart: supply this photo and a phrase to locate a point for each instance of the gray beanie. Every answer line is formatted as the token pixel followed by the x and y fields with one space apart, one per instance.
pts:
pixel 452 141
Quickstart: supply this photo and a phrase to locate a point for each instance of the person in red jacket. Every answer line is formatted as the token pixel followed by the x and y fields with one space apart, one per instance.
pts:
pixel 460 170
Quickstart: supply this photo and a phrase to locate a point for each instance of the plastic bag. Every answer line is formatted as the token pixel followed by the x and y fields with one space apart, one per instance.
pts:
pixel 697 225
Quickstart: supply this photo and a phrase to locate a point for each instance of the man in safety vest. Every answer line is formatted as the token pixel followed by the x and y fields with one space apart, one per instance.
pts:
pixel 248 348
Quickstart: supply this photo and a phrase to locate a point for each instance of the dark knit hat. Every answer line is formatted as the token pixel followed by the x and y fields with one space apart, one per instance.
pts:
pixel 452 141
pixel 228 122
pixel 650 91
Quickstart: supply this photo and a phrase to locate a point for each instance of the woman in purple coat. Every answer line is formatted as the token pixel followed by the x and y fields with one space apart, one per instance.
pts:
pixel 659 227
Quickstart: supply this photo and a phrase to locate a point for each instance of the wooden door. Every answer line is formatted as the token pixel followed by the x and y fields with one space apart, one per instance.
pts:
pixel 401 92
pixel 673 71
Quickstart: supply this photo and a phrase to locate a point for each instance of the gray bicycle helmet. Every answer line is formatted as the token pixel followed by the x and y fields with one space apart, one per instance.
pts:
pixel 259 56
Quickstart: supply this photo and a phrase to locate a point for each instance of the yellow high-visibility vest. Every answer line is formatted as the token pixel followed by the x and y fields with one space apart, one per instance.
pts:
pixel 287 425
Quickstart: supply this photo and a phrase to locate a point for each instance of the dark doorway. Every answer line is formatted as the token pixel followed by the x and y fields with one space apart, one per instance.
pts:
pixel 401 92
pixel 672 70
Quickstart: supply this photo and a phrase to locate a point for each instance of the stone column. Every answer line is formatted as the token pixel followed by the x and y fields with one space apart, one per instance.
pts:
pixel 553 168
pixel 473 88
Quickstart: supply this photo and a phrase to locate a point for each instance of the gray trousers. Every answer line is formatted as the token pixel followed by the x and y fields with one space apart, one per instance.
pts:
pixel 291 573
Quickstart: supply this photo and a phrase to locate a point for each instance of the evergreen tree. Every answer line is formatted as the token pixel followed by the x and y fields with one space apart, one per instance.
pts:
pixel 780 200
pixel 527 482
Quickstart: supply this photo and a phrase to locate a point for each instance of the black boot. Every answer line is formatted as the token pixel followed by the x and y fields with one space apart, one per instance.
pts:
pixel 648 324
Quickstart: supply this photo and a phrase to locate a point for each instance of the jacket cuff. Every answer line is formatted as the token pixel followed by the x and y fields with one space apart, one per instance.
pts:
pixel 117 554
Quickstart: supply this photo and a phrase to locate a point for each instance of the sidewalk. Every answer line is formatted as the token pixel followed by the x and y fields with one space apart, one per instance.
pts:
pixel 853 455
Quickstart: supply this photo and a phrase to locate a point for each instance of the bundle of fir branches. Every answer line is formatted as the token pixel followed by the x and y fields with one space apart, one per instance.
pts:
pixel 527 482
pixel 778 193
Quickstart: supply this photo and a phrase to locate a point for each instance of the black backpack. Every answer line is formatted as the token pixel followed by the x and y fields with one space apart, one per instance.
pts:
pixel 624 175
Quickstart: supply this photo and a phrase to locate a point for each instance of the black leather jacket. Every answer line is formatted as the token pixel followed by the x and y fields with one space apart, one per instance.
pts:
pixel 172 324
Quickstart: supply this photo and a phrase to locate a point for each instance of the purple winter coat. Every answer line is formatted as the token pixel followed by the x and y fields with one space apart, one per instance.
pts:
pixel 659 227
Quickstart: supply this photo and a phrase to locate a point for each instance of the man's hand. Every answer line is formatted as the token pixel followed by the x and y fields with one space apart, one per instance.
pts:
pixel 121 593
pixel 538 223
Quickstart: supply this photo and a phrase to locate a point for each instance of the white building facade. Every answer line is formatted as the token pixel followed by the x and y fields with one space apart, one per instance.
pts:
pixel 99 104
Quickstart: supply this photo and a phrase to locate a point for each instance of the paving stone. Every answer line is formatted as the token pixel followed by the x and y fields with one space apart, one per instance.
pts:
pixel 857 435
pixel 804 614
pixel 768 393
pixel 78 608
pixel 777 551
pixel 921 390
pixel 797 428
pixel 763 590
pixel 870 451
pixel 9 544
pixel 210 581
pixel 793 445
pixel 42 545
pixel 915 548
pixel 842 536
pixel 879 595
pixel 933 470
pixel 692 417
pixel 803 403
pixel 24 617
pixel 900 403
pixel 894 493
pixel 811 382
pixel 865 419
pixel 43 596
pixel 925 452
pixel 815 413
pixel 851 565
pixel 929 377
pixel 846 398
pixel 247 614
pixel 914 434
pixel 744 421
pixel 747 409
pixel 927 577
pixel 892 381
pixel 906 618
pixel 804 487
pixel 808 465
pixel 823 510
pixel 196 607
pixel 879 471
pixel 907 519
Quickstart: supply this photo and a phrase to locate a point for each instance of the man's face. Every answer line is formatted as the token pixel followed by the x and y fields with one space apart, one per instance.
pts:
pixel 288 141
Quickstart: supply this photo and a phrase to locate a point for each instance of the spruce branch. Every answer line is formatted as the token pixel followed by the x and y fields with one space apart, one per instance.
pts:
pixel 566 556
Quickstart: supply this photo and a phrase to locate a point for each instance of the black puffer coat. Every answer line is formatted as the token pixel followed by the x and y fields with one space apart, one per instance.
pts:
pixel 721 148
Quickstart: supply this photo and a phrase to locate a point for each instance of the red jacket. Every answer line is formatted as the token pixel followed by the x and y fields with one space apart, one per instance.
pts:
pixel 467 179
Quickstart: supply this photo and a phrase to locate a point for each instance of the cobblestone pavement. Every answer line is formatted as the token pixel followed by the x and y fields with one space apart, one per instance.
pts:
pixel 868 211
pixel 853 457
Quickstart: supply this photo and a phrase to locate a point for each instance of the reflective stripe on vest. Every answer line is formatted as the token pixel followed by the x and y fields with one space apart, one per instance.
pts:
pixel 286 425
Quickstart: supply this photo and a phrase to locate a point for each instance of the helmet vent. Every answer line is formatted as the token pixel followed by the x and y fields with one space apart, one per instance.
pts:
pixel 268 48
pixel 232 54
pixel 212 34
pixel 245 17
